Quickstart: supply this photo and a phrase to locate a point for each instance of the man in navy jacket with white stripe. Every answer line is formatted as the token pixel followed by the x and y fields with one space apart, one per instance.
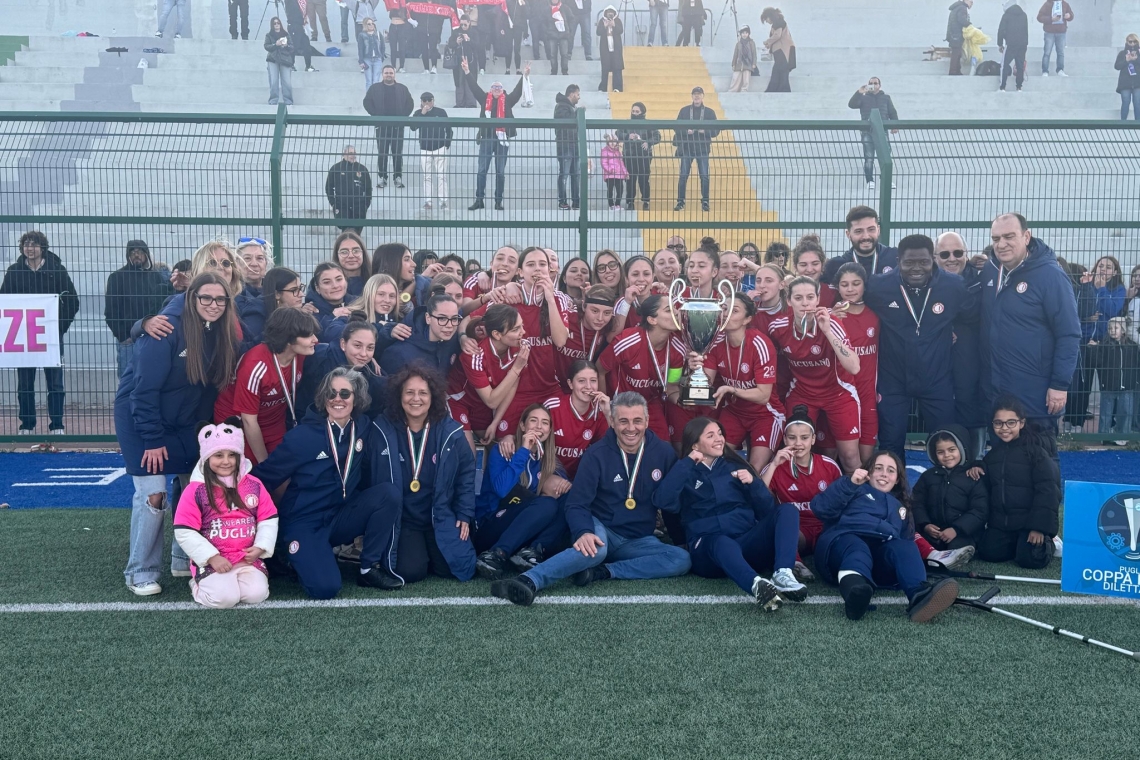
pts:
pixel 610 511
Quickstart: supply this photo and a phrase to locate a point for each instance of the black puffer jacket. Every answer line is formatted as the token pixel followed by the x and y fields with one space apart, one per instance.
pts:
pixel 1024 486
pixel 951 498
pixel 50 279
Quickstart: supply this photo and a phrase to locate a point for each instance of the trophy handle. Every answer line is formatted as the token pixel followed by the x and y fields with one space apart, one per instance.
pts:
pixel 727 295
pixel 675 291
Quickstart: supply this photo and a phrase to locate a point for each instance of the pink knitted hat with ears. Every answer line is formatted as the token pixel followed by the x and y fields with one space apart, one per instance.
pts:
pixel 221 437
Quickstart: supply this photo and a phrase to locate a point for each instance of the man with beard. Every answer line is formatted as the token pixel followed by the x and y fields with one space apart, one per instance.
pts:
pixel 133 291
pixel 389 98
pixel 863 231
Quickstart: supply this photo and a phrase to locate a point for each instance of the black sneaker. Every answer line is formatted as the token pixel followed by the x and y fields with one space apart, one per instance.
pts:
pixel 519 590
pixel 476 206
pixel 704 205
pixel 527 558
pixel 629 205
pixel 680 206
pixel 378 577
pixel 645 205
pixel 491 564
pixel 498 205
pixel 563 206
pixel 856 592
pixel 575 207
pixel 591 574
pixel 931 599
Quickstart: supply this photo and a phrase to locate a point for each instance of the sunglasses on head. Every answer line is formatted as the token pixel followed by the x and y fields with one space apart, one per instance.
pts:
pixel 244 240
pixel 956 253
pixel 343 393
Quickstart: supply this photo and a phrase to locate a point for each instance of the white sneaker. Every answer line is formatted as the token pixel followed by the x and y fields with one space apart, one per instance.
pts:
pixel 146 588
pixel 1058 545
pixel 765 594
pixel 433 69
pixel 180 573
pixel 25 431
pixel 178 36
pixel 1045 73
pixel 1062 74
pixel 956 558
pixel 871 185
pixel 57 431
pixel 802 573
pixel 427 206
pixel 787 586
pixel 892 184
pixel 400 70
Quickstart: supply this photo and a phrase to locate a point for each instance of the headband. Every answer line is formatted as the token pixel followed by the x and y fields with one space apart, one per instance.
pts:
pixel 599 301
pixel 800 422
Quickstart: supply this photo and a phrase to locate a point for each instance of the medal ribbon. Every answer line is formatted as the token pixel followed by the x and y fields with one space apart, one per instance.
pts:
pixel 661 374
pixel 636 468
pixel 922 313
pixel 285 390
pixel 348 461
pixel 418 459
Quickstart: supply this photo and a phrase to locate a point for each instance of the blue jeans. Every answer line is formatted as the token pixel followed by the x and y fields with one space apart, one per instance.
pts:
pixel 1133 97
pixel 686 169
pixel 489 147
pixel 769 544
pixel 659 16
pixel 628 558
pixel 148 524
pixel 1118 403
pixel 280 84
pixel 868 158
pixel 167 7
pixel 126 352
pixel 586 24
pixel 568 167
pixel 1053 41
pixel 372 72
pixel 344 14
pixel 26 396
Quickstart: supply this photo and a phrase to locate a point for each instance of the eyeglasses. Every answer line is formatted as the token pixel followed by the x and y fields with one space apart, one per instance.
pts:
pixel 37 246
pixel 678 247
pixel 296 291
pixel 224 263
pixel 956 253
pixel 212 300
pixel 443 321
pixel 352 251
pixel 612 266
pixel 244 240
pixel 1006 424
pixel 343 393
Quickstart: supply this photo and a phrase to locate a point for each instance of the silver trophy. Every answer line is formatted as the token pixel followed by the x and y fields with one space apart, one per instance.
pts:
pixel 699 320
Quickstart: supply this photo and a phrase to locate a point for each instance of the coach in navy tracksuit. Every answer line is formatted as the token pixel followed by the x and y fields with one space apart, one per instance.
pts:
pixel 610 524
pixel 1030 330
pixel 863 231
pixel 332 496
pixel 434 340
pixel 917 305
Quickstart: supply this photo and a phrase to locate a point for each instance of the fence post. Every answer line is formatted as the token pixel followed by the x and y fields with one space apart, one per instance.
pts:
pixel 583 186
pixel 886 173
pixel 275 181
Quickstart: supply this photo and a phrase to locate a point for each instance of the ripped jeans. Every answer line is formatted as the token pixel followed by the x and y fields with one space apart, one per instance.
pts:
pixel 148 530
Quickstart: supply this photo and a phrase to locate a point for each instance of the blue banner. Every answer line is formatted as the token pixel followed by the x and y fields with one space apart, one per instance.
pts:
pixel 1102 540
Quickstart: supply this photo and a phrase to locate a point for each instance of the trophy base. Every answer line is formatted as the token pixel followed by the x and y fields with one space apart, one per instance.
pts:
pixel 696 396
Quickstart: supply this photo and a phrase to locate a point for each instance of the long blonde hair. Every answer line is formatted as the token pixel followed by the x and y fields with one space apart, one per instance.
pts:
pixel 366 304
pixel 549 450
pixel 200 264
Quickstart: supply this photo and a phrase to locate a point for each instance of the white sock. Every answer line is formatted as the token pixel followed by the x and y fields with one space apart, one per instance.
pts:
pixel 844 573
pixel 364 570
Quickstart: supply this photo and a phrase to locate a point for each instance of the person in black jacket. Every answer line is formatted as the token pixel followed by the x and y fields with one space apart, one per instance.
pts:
pixel 950 507
pixel 133 291
pixel 1128 80
pixel 1024 487
pixel 349 188
pixel 694 143
pixel 637 150
pixel 870 97
pixel 1013 41
pixel 566 146
pixel 610 32
pixel 959 20
pixel 435 142
pixel 389 98
pixel 39 271
pixel 691 17
pixel 279 60
pixel 558 24
pixel 463 44
pixel 494 141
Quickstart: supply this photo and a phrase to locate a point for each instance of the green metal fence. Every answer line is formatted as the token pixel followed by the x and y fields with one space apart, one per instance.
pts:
pixel 93 181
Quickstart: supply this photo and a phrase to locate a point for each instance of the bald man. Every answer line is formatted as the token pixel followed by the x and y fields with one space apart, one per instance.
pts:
pixel 970 404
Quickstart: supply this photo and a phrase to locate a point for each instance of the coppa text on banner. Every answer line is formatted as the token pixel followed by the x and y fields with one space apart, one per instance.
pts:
pixel 29 331
pixel 1102 539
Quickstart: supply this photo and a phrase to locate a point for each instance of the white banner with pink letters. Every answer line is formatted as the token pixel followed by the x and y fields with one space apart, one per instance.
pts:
pixel 29 331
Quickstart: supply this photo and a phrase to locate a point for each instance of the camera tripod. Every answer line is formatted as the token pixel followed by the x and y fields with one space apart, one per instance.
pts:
pixel 735 20
pixel 276 12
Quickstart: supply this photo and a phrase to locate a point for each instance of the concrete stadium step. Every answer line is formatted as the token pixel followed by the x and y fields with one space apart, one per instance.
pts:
pixel 970 114
pixel 1031 97
pixel 39 59
pixel 20 90
pixel 45 75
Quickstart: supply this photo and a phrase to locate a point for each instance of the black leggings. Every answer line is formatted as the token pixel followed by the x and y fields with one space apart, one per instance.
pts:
pixel 515 37
pixel 418 555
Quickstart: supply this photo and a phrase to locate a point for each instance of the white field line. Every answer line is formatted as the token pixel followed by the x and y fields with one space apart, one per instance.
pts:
pixel 487 601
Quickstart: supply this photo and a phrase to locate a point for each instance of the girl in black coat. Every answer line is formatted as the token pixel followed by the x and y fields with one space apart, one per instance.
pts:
pixel 950 507
pixel 1024 488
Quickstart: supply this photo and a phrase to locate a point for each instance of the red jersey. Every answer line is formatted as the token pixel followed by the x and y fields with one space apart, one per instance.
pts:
pixel 573 432
pixel 751 364
pixel 262 388
pixel 863 333
pixel 764 317
pixel 540 378
pixel 816 373
pixel 795 485
pixel 632 364
pixel 625 313
pixel 471 288
pixel 583 343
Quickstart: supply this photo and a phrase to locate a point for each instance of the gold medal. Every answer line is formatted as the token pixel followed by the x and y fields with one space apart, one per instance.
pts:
pixel 414 486
pixel 405 297
pixel 417 457
pixel 630 504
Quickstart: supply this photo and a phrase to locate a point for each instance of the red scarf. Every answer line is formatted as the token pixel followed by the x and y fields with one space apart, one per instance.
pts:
pixel 500 111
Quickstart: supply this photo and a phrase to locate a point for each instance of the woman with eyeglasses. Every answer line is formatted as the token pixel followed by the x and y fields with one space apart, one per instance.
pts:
pixel 396 261
pixel 639 286
pixel 168 387
pixel 608 271
pixel 354 349
pixel 1024 487
pixel 425 452
pixel 350 253
pixel 334 490
pixel 327 291
pixel 434 341
pixel 575 279
pixel 589 327
pixel 666 266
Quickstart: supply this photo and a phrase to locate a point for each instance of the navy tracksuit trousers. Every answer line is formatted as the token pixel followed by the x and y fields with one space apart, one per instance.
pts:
pixel 770 543
pixel 884 563
pixel 539 522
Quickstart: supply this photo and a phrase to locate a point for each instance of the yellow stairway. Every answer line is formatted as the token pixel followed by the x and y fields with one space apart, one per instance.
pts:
pixel 662 78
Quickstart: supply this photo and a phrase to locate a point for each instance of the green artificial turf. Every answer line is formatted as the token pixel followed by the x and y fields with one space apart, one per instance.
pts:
pixel 567 681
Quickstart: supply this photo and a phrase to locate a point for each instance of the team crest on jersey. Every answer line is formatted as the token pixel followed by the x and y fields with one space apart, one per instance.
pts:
pixel 816 350
pixel 251 501
pixel 870 332
pixel 902 513
pixel 434 458
pixel 822 485
pixel 938 308
pixel 656 474
pixel 503 426
pixel 359 445
pixel 463 419
pixel 888 269
pixel 1022 287
pixel 744 367
pixel 587 434
pixel 294 547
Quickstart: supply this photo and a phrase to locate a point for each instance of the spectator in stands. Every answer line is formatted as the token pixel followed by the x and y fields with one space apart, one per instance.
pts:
pixel 694 144
pixel 582 12
pixel 959 20
pixel 610 31
pixel 359 10
pixel 435 144
pixel 638 152
pixel 566 146
pixel 167 7
pixel 296 18
pixel 782 49
pixel 318 9
pixel 866 99
pixel 431 29
pixel 1030 329
pixel 658 18
pixel 180 276
pixel 236 7
pixel 1054 16
pixel 280 60
pixel 370 53
pixel 518 12
pixel 494 141
pixel 691 17
pixel 349 188
pixel 400 37
pixel 39 271
pixel 389 98
pixel 1128 80
pixel 133 291
pixel 463 43
pixel 743 61
pixel 1013 42
pixel 558 27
